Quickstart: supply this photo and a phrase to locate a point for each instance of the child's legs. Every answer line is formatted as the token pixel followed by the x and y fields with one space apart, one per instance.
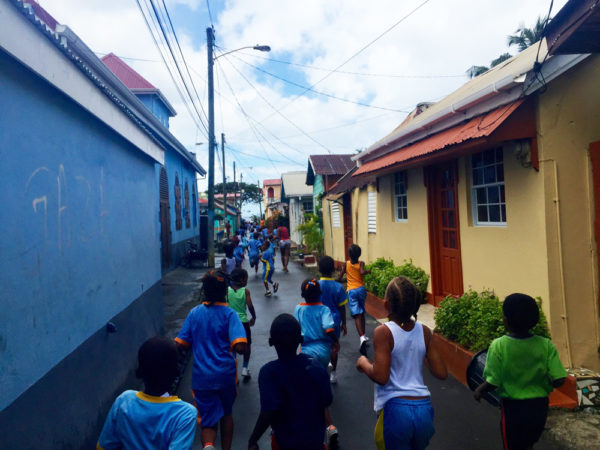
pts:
pixel 210 411
pixel 208 435
pixel 226 431
pixel 334 353
pixel 356 303
pixel 249 337
pixel 523 422
pixel 407 424
pixel 359 321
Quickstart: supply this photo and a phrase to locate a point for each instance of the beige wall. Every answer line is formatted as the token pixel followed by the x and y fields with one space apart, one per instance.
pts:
pixel 568 121
pixel 333 237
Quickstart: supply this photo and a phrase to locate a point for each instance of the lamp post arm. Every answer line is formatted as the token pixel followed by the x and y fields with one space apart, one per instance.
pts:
pixel 261 48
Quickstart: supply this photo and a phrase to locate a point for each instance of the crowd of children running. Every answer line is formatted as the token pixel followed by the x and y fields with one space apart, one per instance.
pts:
pixel 295 389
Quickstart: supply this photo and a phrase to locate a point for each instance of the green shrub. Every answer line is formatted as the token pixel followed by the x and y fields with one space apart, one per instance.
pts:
pixel 475 319
pixel 311 234
pixel 383 270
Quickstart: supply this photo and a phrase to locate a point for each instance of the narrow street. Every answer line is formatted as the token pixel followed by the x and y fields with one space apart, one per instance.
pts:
pixel 460 422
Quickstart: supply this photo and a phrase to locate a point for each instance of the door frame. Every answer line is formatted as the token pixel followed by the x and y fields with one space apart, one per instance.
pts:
pixel 347 217
pixel 432 185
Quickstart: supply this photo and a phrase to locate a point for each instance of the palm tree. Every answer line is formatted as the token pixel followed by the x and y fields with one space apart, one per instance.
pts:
pixel 475 71
pixel 500 59
pixel 525 37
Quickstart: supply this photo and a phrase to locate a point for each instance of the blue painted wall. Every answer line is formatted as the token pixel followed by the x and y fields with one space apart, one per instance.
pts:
pixel 79 231
pixel 318 189
pixel 156 105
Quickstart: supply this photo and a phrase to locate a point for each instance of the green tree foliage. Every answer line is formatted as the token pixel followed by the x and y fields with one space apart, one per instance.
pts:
pixel 250 193
pixel 383 270
pixel 475 319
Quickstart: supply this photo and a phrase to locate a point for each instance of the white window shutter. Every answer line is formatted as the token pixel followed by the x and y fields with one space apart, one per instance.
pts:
pixel 372 211
pixel 335 214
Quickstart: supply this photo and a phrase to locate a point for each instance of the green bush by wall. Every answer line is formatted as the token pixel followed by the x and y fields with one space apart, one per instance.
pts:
pixel 383 270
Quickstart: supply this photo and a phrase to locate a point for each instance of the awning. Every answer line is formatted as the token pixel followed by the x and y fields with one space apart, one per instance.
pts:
pixel 476 128
pixel 348 183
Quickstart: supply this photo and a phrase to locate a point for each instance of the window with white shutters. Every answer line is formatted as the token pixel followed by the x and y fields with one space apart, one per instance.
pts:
pixel 372 211
pixel 335 215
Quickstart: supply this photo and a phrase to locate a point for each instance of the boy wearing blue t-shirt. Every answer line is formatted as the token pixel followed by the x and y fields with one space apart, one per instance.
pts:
pixel 151 418
pixel 294 393
pixel 215 332
pixel 333 295
pixel 254 247
pixel 524 369
pixel 238 254
pixel 268 268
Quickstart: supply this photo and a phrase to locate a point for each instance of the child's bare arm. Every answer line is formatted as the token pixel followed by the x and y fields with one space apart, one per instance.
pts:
pixel 433 359
pixel 262 423
pixel 250 308
pixel 482 389
pixel 342 273
pixel 342 310
pixel 239 348
pixel 379 370
pixel 363 270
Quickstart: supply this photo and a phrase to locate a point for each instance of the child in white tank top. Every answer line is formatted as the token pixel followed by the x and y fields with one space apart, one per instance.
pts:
pixel 401 346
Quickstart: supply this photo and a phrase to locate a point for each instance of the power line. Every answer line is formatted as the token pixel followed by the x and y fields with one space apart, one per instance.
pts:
pixel 354 55
pixel 209 13
pixel 277 111
pixel 158 47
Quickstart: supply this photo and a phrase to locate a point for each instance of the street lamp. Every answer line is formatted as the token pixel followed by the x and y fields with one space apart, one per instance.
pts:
pixel 210 41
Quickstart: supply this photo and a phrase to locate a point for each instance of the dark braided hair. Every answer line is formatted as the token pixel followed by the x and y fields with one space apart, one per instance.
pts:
pixel 404 298
pixel 311 290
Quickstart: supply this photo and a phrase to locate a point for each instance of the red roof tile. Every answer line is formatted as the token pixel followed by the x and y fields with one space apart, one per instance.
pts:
pixel 42 14
pixel 126 74
pixel 477 127
pixel 272 181
pixel 331 164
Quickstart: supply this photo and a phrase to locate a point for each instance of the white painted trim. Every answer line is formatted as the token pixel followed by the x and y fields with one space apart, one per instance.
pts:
pixel 24 42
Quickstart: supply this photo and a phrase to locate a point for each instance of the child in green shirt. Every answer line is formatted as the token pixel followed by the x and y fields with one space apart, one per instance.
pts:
pixel 238 298
pixel 524 369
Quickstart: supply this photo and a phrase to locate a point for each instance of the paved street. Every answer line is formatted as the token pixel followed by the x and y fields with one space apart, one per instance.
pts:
pixel 460 422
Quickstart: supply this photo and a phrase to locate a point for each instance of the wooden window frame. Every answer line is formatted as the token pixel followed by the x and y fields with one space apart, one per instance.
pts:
pixel 398 196
pixel 475 204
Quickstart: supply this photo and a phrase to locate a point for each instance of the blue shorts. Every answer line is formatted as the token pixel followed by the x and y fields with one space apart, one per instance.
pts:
pixel 212 405
pixel 253 259
pixel 319 351
pixel 267 274
pixel 404 424
pixel 356 300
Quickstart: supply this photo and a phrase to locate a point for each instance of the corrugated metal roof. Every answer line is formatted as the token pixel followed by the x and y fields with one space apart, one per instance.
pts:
pixel 42 14
pixel 126 74
pixel 477 127
pixel 294 184
pixel 349 182
pixel 331 164
pixel 272 181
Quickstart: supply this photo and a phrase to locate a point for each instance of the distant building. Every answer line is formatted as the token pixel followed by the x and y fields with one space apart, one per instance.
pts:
pixel 324 171
pixel 297 196
pixel 272 196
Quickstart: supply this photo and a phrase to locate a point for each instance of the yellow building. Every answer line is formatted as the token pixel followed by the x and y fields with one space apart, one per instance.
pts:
pixel 497 186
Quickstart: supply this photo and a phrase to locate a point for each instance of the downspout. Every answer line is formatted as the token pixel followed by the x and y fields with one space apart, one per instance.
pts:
pixel 561 262
pixel 592 251
pixel 330 225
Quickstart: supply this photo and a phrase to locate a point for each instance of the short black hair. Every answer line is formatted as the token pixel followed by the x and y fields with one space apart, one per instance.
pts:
pixel 255 235
pixel 238 275
pixel 158 362
pixel 521 311
pixel 326 265
pixel 214 285
pixel 354 251
pixel 311 290
pixel 228 247
pixel 286 333
pixel 404 298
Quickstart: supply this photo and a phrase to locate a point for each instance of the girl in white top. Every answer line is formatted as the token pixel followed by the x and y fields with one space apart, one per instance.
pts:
pixel 401 346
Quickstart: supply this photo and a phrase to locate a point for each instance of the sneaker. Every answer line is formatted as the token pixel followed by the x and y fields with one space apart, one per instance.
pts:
pixel 332 437
pixel 275 286
pixel 363 347
pixel 333 378
pixel 246 372
pixel 268 294
pixel 329 367
pixel 208 447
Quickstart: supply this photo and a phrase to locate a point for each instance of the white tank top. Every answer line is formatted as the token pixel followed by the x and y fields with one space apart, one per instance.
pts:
pixel 406 368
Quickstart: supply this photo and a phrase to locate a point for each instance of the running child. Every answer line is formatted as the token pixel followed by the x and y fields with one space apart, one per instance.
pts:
pixel 254 247
pixel 357 294
pixel 318 334
pixel 268 269
pixel 228 263
pixel 334 297
pixel 524 369
pixel 238 253
pixel 151 418
pixel 294 393
pixel 401 346
pixel 239 299
pixel 215 333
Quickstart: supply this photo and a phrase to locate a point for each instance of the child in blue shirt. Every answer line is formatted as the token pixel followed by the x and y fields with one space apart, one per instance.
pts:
pixel 151 418
pixel 333 295
pixel 254 247
pixel 268 268
pixel 238 254
pixel 294 393
pixel 215 333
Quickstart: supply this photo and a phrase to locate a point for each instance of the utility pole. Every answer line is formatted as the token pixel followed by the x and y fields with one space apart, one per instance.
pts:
pixel 242 184
pixel 224 178
pixel 237 219
pixel 260 202
pixel 211 150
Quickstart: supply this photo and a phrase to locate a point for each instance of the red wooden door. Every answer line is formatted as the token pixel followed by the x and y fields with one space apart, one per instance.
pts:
pixel 347 206
pixel 444 231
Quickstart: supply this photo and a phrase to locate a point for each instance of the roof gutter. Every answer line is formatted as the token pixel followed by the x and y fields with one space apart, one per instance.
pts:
pixel 69 39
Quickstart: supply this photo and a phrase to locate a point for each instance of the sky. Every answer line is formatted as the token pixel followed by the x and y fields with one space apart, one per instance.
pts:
pixel 389 55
